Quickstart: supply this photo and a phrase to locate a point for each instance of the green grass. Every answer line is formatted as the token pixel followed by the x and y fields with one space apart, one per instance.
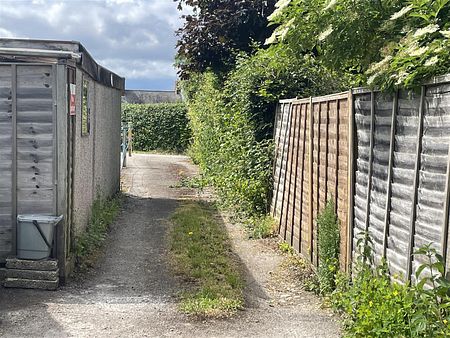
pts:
pixel 90 242
pixel 201 253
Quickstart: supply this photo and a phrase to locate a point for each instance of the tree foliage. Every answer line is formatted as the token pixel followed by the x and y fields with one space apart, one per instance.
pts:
pixel 217 30
pixel 387 42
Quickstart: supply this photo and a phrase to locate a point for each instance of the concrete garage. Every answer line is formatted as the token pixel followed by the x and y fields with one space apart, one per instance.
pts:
pixel 59 139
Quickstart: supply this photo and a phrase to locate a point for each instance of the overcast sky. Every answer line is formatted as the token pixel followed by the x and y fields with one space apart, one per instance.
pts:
pixel 134 38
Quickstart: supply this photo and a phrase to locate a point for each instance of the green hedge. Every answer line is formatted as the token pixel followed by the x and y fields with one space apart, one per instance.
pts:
pixel 162 126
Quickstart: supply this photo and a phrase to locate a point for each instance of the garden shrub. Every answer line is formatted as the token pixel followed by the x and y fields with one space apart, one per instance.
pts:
pixel 162 126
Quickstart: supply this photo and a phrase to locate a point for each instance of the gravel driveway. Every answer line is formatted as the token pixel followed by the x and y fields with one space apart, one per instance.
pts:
pixel 131 293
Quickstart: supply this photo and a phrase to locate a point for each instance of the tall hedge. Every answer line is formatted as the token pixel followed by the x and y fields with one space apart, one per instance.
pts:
pixel 162 126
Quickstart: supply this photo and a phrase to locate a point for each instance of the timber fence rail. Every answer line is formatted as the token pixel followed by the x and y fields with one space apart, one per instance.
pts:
pixel 384 160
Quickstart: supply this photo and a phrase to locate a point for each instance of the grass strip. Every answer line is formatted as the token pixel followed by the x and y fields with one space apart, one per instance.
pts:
pixel 201 253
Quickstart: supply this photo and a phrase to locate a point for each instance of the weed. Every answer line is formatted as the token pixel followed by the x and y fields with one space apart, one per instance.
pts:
pixel 201 252
pixel 90 242
pixel 376 307
pixel 286 248
pixel 328 239
pixel 261 227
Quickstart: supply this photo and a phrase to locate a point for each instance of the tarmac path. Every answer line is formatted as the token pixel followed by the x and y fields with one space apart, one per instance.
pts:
pixel 131 292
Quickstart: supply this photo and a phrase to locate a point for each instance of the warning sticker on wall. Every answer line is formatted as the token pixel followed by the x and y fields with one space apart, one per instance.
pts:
pixel 72 108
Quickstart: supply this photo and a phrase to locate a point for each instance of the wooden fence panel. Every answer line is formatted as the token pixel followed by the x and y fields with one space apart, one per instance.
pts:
pixel 307 169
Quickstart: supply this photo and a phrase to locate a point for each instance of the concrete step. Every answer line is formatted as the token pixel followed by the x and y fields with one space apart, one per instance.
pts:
pixel 32 274
pixel 31 284
pixel 21 264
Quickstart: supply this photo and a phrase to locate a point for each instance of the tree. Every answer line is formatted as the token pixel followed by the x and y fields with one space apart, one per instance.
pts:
pixel 217 30
pixel 387 43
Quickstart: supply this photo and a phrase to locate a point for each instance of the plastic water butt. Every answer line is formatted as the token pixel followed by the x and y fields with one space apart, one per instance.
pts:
pixel 35 236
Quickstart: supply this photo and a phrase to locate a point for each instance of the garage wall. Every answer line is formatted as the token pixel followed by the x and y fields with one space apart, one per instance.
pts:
pixel 97 155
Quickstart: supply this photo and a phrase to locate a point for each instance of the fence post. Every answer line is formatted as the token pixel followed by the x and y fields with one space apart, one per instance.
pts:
pixel 351 179
pixel 412 221
pixel 297 129
pixel 389 179
pixel 310 182
pixel 130 139
pixel 369 174
pixel 124 147
pixel 305 113
pixel 444 240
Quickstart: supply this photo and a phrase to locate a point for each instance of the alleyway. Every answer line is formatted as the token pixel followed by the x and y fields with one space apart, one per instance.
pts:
pixel 132 293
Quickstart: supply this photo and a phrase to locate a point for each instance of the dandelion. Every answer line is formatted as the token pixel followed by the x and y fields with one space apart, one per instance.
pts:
pixel 190 233
pixel 426 30
pixel 432 61
pixel 401 12
pixel 325 33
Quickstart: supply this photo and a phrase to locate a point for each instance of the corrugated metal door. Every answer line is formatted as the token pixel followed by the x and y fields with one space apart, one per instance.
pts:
pixel 27 172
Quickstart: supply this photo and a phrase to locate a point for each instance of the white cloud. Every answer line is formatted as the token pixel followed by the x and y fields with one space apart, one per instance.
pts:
pixel 6 33
pixel 140 69
pixel 134 37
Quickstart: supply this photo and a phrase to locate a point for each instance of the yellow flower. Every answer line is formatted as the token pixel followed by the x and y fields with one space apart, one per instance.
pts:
pixel 370 303
pixel 190 233
pixel 445 321
pixel 395 293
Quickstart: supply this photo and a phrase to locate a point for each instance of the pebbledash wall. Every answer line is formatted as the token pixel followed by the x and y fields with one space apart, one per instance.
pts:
pixel 385 163
pixel 57 155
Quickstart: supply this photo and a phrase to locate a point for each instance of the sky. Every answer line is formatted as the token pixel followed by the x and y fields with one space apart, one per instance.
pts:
pixel 133 38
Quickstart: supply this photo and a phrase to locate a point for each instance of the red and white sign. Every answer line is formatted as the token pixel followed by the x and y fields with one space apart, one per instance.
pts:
pixel 72 108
